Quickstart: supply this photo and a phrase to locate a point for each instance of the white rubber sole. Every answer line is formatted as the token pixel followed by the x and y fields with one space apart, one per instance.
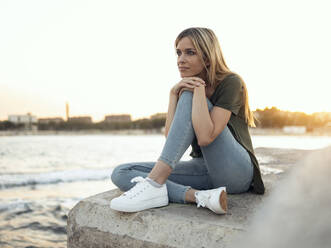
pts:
pixel 219 204
pixel 152 203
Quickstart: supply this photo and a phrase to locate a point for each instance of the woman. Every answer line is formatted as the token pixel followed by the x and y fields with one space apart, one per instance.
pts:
pixel 209 110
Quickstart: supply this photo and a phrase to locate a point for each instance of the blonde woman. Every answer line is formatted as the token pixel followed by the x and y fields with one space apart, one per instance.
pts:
pixel 209 110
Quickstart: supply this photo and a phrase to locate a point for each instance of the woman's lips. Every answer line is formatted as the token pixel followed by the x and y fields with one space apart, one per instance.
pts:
pixel 183 68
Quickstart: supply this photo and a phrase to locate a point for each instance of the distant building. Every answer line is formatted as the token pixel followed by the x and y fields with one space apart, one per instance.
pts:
pixel 29 121
pixel 25 119
pixel 67 111
pixel 80 119
pixel 294 129
pixel 50 120
pixel 117 118
pixel 158 116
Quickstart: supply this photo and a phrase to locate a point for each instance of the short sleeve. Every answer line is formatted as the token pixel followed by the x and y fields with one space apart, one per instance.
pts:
pixel 229 94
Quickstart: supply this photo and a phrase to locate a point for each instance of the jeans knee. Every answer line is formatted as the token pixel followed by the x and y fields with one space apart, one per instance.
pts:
pixel 186 97
pixel 117 176
pixel 186 93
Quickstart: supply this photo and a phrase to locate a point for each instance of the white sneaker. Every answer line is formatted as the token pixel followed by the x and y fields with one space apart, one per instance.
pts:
pixel 141 196
pixel 214 199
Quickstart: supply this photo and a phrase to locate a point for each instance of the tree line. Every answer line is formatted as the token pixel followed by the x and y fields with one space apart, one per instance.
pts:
pixel 275 118
pixel 74 126
pixel 266 118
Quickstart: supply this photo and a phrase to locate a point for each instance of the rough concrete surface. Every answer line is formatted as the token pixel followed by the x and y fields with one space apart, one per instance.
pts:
pixel 297 213
pixel 91 223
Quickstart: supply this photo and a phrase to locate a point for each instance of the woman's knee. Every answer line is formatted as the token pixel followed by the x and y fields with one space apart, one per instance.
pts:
pixel 185 98
pixel 118 175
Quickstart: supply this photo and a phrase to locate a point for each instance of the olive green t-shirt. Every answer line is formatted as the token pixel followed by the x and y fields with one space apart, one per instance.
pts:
pixel 229 95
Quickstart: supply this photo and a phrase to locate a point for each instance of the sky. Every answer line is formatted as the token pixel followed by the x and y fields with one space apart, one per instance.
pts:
pixel 118 57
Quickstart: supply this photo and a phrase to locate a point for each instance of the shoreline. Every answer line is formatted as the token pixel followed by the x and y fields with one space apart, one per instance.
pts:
pixel 253 131
pixel 82 132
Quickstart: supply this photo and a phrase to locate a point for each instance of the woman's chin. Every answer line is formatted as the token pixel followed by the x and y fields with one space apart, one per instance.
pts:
pixel 183 74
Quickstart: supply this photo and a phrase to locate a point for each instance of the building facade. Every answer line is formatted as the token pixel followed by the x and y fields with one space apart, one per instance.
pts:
pixel 117 118
pixel 24 119
pixel 80 119
pixel 28 121
pixel 50 120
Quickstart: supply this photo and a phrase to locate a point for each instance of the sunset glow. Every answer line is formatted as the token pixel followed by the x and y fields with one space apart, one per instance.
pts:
pixel 104 58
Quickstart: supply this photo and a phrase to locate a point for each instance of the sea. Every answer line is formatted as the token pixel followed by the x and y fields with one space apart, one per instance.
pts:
pixel 43 176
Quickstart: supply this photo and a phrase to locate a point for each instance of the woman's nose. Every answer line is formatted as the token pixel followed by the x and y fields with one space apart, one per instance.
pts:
pixel 181 59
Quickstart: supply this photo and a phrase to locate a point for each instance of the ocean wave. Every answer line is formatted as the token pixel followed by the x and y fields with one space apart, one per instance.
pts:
pixel 19 180
pixel 14 206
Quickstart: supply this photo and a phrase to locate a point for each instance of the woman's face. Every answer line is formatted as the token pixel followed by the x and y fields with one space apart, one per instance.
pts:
pixel 188 61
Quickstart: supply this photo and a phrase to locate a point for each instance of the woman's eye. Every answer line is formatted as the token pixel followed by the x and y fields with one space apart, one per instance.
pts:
pixel 188 52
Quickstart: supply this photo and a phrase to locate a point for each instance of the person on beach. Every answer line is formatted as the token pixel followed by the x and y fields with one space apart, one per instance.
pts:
pixel 208 109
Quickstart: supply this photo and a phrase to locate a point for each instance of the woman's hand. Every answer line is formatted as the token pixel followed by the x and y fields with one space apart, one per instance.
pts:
pixel 187 83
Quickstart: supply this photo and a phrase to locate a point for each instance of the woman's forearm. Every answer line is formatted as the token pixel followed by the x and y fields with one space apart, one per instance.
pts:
pixel 201 120
pixel 173 99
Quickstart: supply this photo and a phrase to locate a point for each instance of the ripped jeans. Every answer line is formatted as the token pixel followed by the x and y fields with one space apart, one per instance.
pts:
pixel 224 163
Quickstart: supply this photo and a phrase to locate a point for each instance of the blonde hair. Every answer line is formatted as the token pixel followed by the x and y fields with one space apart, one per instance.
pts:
pixel 208 49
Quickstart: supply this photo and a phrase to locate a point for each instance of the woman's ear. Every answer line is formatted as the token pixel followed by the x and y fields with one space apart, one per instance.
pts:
pixel 207 62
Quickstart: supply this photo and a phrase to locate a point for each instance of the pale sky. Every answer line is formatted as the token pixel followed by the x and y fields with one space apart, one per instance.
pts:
pixel 118 57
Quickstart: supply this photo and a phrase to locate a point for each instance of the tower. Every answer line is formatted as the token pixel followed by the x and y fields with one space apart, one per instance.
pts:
pixel 67 110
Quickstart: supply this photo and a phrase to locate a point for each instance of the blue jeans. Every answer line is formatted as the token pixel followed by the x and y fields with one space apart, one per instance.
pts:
pixel 224 163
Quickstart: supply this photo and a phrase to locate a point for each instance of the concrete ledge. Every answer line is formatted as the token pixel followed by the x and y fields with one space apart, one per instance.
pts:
pixel 297 213
pixel 91 223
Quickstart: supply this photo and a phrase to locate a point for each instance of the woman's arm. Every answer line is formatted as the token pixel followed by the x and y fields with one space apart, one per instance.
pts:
pixel 173 99
pixel 185 84
pixel 207 126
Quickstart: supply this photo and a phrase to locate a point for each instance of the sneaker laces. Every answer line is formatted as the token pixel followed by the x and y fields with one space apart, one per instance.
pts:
pixel 137 179
pixel 137 188
pixel 201 199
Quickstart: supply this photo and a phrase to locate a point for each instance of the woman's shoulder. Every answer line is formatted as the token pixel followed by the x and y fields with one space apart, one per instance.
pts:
pixel 231 79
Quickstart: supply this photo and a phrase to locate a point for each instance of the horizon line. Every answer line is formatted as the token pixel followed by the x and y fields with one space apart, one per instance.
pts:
pixel 142 117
